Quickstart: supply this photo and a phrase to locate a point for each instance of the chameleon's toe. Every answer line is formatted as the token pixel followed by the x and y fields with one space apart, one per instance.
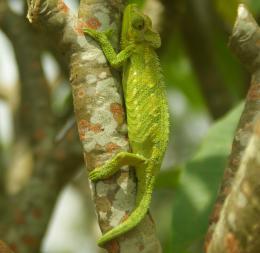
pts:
pixel 91 32
pixel 94 175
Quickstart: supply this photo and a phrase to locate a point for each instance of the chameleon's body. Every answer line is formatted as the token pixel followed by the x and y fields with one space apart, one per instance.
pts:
pixel 146 106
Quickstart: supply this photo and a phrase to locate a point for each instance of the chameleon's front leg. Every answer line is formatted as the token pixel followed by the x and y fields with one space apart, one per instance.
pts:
pixel 115 60
pixel 114 164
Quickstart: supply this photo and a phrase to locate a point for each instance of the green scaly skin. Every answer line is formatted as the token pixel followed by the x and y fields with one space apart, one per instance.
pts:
pixel 146 106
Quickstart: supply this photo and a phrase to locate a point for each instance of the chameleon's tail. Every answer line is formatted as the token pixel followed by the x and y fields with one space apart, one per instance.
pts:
pixel 136 216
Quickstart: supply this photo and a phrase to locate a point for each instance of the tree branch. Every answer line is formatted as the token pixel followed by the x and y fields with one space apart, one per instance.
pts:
pixel 27 213
pixel 99 111
pixel 34 114
pixel 245 42
pixel 238 229
pixel 25 216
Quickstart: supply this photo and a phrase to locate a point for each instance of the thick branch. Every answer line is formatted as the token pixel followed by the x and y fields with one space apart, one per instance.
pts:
pixel 238 229
pixel 99 112
pixel 25 216
pixel 244 41
pixel 34 114
pixel 28 213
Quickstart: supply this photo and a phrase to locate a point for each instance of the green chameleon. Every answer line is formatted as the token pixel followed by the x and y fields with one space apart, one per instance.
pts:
pixel 146 107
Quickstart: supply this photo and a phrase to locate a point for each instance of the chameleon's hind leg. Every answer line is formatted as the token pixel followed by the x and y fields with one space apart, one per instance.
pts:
pixel 114 164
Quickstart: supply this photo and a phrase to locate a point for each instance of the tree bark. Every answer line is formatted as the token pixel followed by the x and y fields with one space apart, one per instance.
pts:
pixel 99 111
pixel 25 215
pixel 234 224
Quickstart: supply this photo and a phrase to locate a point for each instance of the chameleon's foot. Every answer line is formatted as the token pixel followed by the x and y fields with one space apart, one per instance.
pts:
pixel 97 174
pixel 113 165
pixel 97 35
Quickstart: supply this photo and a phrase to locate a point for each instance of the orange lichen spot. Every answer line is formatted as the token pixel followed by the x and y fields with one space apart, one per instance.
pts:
pixel 207 241
pixel 4 248
pixel 81 93
pixel 232 244
pixel 83 123
pixel 112 246
pixel 19 217
pixel 39 134
pixel 110 147
pixel 30 240
pixel 37 213
pixel 62 6
pixel 82 135
pixel 79 27
pixel 96 128
pixel 93 23
pixel 254 92
pixel 216 212
pixel 118 112
pixel 82 129
pixel 84 126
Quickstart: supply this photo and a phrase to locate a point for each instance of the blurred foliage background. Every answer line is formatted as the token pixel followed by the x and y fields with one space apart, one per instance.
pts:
pixel 205 85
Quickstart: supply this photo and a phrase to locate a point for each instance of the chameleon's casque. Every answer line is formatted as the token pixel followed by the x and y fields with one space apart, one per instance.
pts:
pixel 146 108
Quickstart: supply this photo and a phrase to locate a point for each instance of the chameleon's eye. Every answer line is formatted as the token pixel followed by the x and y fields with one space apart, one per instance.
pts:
pixel 138 23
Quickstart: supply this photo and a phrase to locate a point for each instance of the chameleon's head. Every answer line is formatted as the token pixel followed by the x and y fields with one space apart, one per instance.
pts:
pixel 137 28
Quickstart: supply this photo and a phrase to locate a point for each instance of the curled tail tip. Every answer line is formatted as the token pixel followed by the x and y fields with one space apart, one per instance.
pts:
pixel 132 221
pixel 109 237
pixel 108 240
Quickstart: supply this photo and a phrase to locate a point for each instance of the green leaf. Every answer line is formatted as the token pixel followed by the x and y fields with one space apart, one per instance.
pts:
pixel 199 184
pixel 168 179
pixel 254 6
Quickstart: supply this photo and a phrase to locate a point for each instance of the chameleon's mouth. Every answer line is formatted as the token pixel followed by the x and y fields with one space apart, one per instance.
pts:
pixel 153 38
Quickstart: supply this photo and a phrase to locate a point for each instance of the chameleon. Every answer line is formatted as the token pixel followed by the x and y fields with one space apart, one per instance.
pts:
pixel 146 110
